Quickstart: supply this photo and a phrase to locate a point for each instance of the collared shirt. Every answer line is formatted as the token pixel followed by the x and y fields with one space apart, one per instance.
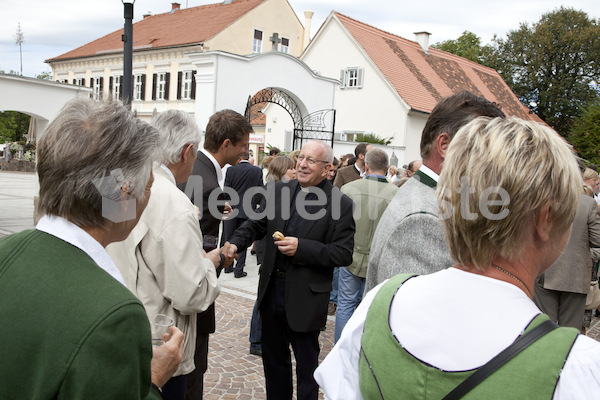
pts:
pixel 71 233
pixel 376 176
pixel 427 171
pixel 218 168
pixel 168 171
pixel 361 173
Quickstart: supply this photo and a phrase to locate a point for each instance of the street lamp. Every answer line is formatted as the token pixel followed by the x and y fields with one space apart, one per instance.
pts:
pixel 128 52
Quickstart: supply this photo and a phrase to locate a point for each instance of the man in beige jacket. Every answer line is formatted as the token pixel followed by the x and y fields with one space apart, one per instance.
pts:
pixel 162 260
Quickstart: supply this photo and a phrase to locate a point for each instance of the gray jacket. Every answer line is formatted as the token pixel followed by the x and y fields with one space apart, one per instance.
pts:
pixel 410 237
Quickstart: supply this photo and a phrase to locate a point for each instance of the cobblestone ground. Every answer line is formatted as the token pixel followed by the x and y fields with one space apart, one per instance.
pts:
pixel 233 373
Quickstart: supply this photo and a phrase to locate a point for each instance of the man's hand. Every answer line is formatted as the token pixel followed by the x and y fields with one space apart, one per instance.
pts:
pixel 166 358
pixel 214 256
pixel 226 211
pixel 230 250
pixel 288 245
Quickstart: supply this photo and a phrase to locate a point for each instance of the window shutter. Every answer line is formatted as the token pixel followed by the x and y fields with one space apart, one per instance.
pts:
pixel 359 80
pixel 92 82
pixel 110 85
pixel 193 84
pixel 74 81
pixel 179 82
pixel 101 86
pixel 121 88
pixel 154 81
pixel 143 96
pixel 167 81
pixel 343 77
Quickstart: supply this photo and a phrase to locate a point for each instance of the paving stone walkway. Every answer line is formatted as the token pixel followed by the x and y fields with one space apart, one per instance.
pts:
pixel 233 373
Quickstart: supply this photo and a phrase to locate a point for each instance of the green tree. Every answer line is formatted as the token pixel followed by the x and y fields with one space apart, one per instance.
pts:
pixel 585 133
pixel 468 45
pixel 13 126
pixel 551 64
pixel 46 75
pixel 372 138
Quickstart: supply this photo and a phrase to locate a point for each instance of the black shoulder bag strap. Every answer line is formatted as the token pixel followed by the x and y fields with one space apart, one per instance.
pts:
pixel 505 356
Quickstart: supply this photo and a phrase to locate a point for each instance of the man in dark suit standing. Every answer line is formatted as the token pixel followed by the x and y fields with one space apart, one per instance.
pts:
pixel 295 279
pixel 225 140
pixel 353 172
pixel 240 178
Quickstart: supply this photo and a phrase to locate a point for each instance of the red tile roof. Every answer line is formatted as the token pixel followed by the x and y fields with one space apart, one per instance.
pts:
pixel 182 27
pixel 422 79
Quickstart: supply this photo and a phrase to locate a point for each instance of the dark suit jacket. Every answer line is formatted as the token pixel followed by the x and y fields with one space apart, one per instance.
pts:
pixel 322 245
pixel 204 180
pixel 240 178
pixel 345 175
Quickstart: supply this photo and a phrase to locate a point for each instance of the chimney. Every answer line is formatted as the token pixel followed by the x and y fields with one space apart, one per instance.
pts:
pixel 148 14
pixel 308 14
pixel 175 7
pixel 423 39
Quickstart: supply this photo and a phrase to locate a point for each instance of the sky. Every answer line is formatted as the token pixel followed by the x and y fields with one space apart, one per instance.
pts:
pixel 51 28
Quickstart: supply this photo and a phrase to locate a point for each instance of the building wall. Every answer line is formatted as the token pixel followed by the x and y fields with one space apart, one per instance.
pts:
pixel 376 107
pixel 269 17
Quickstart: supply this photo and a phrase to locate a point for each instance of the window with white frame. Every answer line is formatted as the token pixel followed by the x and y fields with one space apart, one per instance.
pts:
pixel 257 41
pixel 285 45
pixel 186 85
pixel 116 90
pixel 80 81
pixel 352 78
pixel 97 88
pixel 138 87
pixel 161 85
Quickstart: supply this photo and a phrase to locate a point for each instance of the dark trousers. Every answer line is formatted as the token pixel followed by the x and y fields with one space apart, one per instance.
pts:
pixel 195 381
pixel 564 308
pixel 276 339
pixel 175 388
pixel 255 329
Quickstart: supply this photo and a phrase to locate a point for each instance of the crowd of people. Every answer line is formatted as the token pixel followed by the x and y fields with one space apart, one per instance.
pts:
pixel 495 230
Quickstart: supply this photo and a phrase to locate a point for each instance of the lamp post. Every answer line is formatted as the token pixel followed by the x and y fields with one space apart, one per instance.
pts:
pixel 127 52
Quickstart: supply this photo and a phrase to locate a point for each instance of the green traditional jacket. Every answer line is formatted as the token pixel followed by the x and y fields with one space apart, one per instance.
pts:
pixel 387 371
pixel 69 330
pixel 371 196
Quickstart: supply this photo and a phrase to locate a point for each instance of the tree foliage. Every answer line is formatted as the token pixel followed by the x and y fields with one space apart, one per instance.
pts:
pixel 468 45
pixel 13 126
pixel 552 64
pixel 372 138
pixel 585 134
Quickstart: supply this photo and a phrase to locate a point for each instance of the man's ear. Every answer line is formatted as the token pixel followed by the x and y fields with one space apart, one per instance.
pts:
pixel 187 152
pixel 441 143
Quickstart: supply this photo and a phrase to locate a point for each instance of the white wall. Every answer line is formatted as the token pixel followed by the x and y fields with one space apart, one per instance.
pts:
pixel 376 107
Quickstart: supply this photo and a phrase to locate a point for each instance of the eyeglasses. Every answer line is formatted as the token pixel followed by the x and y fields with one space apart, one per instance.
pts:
pixel 310 161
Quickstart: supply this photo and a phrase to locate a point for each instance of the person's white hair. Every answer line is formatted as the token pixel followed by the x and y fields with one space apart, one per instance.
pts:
pixel 176 129
pixel 327 151
pixel 516 168
pixel 89 151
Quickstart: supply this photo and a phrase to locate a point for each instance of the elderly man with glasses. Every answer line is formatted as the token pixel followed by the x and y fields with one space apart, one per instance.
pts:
pixel 316 221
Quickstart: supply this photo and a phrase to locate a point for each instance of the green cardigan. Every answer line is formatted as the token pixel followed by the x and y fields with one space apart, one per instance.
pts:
pixel 371 196
pixel 69 330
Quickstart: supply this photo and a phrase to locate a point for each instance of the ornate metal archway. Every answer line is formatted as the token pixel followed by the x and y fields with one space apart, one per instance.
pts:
pixel 318 125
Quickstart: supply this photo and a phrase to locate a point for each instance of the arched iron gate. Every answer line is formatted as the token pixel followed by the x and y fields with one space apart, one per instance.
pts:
pixel 319 125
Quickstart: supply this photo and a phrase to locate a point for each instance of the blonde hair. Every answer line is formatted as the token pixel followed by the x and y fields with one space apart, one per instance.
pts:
pixel 587 190
pixel 518 167
pixel 589 174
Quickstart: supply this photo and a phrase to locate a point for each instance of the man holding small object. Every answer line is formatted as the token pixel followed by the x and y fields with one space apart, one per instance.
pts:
pixel 162 260
pixel 226 139
pixel 296 274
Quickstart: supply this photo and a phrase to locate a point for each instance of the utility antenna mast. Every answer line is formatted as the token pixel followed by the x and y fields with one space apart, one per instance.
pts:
pixel 19 40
